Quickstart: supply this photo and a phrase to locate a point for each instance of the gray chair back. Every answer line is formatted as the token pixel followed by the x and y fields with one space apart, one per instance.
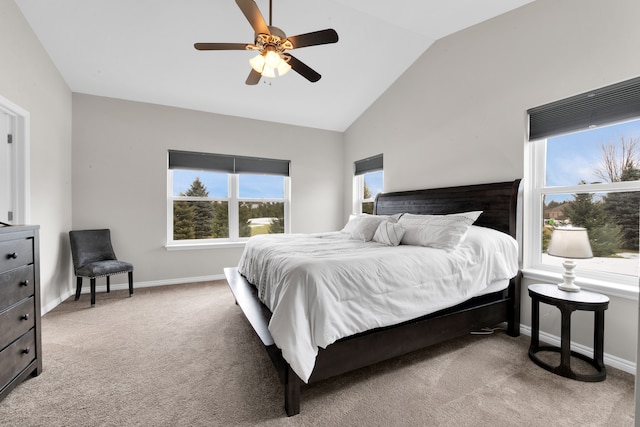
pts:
pixel 89 246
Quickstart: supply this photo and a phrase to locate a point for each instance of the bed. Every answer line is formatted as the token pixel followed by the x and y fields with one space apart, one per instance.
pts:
pixel 485 308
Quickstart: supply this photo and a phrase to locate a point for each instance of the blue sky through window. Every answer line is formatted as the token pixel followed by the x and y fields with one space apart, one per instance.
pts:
pixel 251 186
pixel 216 183
pixel 374 181
pixel 576 156
pixel 261 186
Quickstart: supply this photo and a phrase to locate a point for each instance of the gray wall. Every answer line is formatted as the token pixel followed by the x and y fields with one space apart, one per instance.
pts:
pixel 30 80
pixel 120 177
pixel 457 116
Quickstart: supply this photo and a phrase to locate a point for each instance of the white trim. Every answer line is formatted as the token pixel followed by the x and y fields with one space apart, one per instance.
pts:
pixel 169 233
pixel 177 246
pixel 606 287
pixel 356 194
pixel 232 203
pixel 22 160
pixel 287 203
pixel 609 360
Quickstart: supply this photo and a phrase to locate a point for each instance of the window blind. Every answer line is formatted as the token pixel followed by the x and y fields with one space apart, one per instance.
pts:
pixel 370 164
pixel 227 163
pixel 614 103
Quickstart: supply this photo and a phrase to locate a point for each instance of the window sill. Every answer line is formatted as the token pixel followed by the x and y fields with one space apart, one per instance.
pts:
pixel 198 246
pixel 605 287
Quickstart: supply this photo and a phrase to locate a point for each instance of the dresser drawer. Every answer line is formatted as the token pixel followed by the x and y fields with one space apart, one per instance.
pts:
pixel 16 285
pixel 16 321
pixel 16 357
pixel 14 253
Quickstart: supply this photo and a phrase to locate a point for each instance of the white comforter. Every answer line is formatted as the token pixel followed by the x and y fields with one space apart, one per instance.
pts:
pixel 323 287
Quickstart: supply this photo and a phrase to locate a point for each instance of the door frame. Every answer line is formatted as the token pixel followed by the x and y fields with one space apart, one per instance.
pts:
pixel 20 124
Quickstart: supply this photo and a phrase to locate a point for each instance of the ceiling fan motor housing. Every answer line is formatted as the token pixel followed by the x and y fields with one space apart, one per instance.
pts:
pixel 277 32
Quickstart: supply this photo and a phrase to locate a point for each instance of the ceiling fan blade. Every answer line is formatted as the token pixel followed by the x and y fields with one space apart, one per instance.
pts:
pixel 304 70
pixel 250 10
pixel 220 46
pixel 313 39
pixel 254 77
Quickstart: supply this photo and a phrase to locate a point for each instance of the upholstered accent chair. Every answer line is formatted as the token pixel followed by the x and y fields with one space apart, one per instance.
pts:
pixel 93 256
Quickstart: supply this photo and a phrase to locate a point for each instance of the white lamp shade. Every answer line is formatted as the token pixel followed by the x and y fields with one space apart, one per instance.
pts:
pixel 570 242
pixel 268 72
pixel 272 59
pixel 257 63
pixel 283 68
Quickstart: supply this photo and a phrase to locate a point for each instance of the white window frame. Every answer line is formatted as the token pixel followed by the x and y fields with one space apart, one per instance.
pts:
pixel 234 200
pixel 237 200
pixel 358 192
pixel 535 169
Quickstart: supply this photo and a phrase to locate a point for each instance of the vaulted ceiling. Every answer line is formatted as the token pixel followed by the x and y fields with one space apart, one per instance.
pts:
pixel 143 50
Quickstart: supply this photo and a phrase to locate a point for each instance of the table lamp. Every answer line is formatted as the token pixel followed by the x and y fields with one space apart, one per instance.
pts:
pixel 569 243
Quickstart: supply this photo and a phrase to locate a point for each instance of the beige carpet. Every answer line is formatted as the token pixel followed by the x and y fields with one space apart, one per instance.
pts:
pixel 185 356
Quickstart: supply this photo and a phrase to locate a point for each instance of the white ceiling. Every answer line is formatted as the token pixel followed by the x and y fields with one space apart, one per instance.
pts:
pixel 142 50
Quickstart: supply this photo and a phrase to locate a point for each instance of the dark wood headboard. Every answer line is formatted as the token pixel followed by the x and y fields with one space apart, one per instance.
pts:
pixel 498 201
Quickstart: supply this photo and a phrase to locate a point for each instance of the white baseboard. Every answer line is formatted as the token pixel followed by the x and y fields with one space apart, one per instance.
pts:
pixel 123 286
pixel 609 360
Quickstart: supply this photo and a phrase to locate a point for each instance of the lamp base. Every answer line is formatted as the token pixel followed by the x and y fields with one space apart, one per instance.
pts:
pixel 568 277
pixel 569 287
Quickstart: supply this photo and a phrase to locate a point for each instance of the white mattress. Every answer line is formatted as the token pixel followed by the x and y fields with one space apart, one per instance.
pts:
pixel 323 287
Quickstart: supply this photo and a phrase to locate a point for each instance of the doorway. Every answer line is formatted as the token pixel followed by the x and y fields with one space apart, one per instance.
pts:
pixel 14 163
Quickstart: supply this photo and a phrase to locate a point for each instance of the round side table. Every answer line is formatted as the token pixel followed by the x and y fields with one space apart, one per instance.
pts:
pixel 567 303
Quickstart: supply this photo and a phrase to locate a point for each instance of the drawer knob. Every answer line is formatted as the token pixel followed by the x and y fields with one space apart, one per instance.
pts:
pixel 24 283
pixel 25 316
pixel 12 255
pixel 26 350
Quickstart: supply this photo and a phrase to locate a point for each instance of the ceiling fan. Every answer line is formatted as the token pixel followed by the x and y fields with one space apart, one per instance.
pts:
pixel 272 43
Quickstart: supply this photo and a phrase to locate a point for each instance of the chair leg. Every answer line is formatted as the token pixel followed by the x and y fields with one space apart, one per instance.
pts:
pixel 108 284
pixel 130 283
pixel 93 292
pixel 78 287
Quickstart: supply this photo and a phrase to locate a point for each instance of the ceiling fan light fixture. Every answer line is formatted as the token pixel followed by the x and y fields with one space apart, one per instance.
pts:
pixel 283 68
pixel 267 64
pixel 272 43
pixel 272 58
pixel 257 63
pixel 269 72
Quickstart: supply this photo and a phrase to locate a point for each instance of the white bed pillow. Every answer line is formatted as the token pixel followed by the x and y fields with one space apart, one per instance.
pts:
pixel 389 233
pixel 366 226
pixel 437 231
pixel 394 217
pixel 351 224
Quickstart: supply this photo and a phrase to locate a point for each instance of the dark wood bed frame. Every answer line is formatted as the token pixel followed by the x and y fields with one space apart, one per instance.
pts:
pixel 498 201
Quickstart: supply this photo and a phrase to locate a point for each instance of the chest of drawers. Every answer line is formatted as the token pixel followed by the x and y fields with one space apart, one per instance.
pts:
pixel 20 344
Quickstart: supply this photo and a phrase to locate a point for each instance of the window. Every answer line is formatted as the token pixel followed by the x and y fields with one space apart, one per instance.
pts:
pixel 367 183
pixel 218 198
pixel 584 171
